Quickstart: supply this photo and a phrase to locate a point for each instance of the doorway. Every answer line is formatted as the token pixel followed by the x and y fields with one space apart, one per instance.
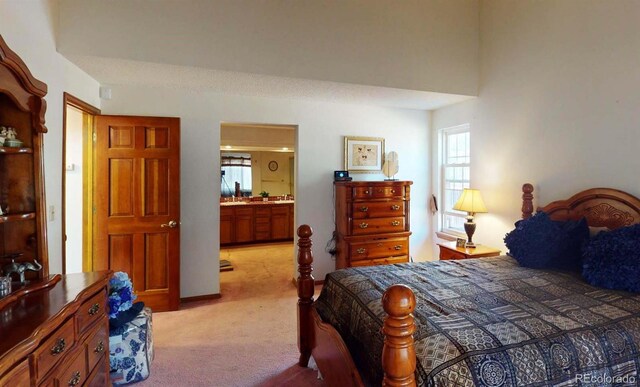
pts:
pixel 77 184
pixel 257 202
pixel 125 170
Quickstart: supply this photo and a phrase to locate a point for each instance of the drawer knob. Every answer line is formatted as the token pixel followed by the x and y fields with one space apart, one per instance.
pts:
pixel 75 378
pixel 395 207
pixel 395 223
pixel 366 192
pixel 364 209
pixel 59 347
pixel 94 309
pixel 99 348
pixel 361 250
pixel 397 247
pixel 364 225
pixel 379 190
pixel 393 191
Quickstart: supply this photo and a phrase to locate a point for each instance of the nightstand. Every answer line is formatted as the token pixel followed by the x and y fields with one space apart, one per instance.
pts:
pixel 450 251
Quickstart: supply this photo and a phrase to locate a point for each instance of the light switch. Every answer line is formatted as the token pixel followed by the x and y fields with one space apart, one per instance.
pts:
pixel 71 167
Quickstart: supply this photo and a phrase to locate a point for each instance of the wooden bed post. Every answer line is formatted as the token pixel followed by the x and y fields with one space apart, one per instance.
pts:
pixel 398 353
pixel 305 294
pixel 527 201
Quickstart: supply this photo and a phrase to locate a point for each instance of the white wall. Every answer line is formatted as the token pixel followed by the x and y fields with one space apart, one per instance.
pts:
pixel 29 28
pixel 558 104
pixel 427 45
pixel 319 153
pixel 74 198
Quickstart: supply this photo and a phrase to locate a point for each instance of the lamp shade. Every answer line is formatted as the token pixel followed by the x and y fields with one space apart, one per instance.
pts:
pixel 470 201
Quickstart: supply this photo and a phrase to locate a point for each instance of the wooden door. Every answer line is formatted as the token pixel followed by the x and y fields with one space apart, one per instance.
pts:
pixel 138 204
pixel 280 222
pixel 226 225
pixel 244 225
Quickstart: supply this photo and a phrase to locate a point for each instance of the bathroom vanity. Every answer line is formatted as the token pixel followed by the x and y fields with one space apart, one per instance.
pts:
pixel 256 221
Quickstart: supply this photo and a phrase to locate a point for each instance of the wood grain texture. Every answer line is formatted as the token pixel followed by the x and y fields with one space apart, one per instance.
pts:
pixel 398 352
pixel 140 159
pixel 37 320
pixel 602 207
pixel 22 185
pixel 367 212
pixel 256 221
pixel 449 251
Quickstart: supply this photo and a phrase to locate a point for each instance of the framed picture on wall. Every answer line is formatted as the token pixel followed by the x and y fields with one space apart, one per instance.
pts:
pixel 363 154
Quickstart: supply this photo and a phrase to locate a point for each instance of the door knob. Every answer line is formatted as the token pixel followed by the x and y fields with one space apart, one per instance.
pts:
pixel 171 224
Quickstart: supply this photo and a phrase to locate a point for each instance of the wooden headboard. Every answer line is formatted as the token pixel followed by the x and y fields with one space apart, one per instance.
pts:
pixel 602 207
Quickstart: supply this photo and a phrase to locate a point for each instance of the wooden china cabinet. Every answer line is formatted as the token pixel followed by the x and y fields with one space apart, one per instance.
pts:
pixel 53 329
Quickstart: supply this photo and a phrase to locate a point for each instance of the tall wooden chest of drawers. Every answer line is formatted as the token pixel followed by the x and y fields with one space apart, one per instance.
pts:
pixel 372 222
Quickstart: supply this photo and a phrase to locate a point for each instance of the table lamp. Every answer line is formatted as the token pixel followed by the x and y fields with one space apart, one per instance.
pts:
pixel 471 202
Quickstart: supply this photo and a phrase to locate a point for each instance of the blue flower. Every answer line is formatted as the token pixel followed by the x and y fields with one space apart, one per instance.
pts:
pixel 121 295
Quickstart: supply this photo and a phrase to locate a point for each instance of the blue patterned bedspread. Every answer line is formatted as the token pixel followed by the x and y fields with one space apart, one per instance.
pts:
pixel 490 322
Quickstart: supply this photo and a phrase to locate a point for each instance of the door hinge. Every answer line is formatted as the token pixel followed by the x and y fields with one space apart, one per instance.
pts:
pixel 95 136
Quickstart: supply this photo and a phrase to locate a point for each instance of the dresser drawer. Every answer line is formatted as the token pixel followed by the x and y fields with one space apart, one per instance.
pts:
pixel 91 311
pixel 446 254
pixel 98 377
pixel 263 211
pixel 98 343
pixel 381 261
pixel 388 191
pixel 53 349
pixel 377 225
pixel 75 373
pixel 379 248
pixel 365 210
pixel 362 192
pixel 18 376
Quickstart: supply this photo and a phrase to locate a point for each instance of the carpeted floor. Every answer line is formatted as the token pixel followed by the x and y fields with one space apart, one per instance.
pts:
pixel 246 338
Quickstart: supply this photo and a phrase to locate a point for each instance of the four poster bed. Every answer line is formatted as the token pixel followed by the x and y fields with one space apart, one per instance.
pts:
pixel 473 322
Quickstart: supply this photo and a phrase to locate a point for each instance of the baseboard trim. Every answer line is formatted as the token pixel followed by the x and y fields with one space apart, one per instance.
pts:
pixel 203 297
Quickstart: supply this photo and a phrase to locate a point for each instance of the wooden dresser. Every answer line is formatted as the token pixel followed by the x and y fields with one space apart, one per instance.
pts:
pixel 56 332
pixel 372 222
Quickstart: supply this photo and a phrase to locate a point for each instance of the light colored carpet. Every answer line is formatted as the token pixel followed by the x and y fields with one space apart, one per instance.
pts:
pixel 246 338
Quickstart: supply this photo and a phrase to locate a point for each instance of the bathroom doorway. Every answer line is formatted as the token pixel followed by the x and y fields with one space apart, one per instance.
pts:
pixel 257 203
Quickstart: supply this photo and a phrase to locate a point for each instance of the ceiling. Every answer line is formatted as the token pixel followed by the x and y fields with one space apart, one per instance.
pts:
pixel 111 71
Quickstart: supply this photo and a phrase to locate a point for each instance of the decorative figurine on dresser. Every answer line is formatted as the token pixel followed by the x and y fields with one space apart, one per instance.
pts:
pixel 372 222
pixel 53 329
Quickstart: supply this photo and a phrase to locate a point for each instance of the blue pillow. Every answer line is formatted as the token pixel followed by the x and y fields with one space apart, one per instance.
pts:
pixel 611 259
pixel 541 243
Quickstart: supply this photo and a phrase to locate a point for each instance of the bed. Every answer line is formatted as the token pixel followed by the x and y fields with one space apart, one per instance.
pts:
pixel 473 322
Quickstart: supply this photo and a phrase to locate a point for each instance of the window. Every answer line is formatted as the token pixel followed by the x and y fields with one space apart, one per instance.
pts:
pixel 454 175
pixel 236 167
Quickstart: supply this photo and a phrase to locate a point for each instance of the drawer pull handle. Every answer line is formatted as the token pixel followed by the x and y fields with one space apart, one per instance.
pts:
pixel 397 247
pixel 364 209
pixel 99 348
pixel 75 378
pixel 361 250
pixel 395 223
pixel 59 347
pixel 395 207
pixel 94 309
pixel 364 225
